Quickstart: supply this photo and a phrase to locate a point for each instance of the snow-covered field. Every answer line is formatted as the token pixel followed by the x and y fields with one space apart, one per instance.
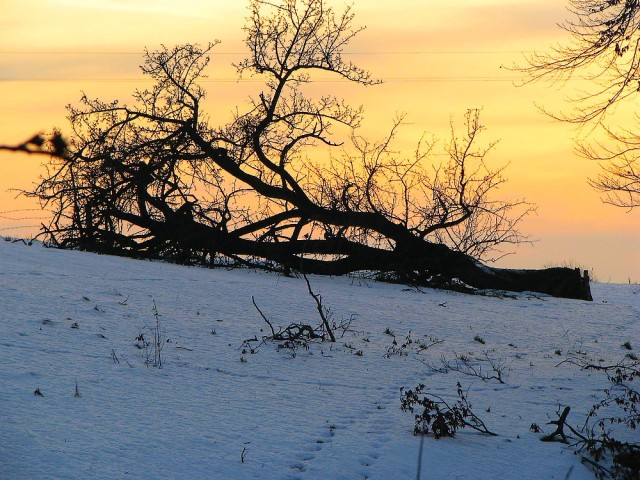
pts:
pixel 69 323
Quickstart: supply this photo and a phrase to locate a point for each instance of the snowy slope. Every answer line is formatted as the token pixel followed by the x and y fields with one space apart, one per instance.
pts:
pixel 214 412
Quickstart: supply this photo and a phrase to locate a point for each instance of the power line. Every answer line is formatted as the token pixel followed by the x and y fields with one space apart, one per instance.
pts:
pixel 454 78
pixel 389 52
pixel 27 210
pixel 21 218
pixel 428 79
pixel 2 229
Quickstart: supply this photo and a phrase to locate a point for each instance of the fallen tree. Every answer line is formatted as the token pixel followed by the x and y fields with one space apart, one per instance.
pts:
pixel 156 180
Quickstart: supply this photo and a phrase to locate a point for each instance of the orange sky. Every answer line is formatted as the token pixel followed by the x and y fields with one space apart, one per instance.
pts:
pixel 436 58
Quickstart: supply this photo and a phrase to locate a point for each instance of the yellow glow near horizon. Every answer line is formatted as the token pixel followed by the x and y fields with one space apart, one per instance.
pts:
pixel 436 59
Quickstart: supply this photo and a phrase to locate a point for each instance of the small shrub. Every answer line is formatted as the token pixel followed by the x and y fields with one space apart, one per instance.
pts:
pixel 398 349
pixel 603 438
pixel 437 416
pixel 152 349
pixel 431 341
pixel 479 339
pixel 495 368
pixel 298 335
pixel 409 344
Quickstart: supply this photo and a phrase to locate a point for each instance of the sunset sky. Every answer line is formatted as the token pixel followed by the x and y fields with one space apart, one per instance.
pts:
pixel 436 59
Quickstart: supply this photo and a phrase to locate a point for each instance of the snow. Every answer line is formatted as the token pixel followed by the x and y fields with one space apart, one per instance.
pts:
pixel 214 412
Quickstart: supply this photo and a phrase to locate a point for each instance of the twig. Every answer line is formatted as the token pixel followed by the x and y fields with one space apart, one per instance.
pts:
pixel 244 452
pixel 462 365
pixel 273 332
pixel 318 300
pixel 560 423
pixel 424 346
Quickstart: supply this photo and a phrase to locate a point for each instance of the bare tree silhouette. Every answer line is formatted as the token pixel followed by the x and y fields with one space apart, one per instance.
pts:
pixel 604 48
pixel 155 179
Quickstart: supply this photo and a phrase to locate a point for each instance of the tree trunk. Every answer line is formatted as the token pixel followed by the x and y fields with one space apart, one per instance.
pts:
pixel 420 263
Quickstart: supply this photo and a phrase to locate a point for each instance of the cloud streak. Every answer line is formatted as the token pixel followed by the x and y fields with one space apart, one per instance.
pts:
pixel 197 8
